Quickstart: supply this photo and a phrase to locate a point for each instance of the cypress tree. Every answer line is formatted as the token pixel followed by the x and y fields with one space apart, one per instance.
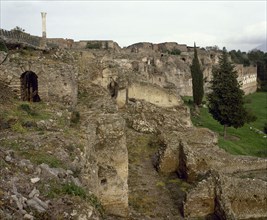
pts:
pixel 226 102
pixel 197 79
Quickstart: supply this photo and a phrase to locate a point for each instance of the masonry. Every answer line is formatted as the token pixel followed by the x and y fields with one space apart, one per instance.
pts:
pixel 151 60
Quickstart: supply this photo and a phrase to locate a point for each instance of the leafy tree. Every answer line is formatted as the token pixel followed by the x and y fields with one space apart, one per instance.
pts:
pixel 259 58
pixel 226 103
pixel 197 79
pixel 239 57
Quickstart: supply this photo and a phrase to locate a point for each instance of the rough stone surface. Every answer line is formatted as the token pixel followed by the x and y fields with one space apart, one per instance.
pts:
pixel 167 158
pixel 228 197
pixel 149 83
pixel 200 201
pixel 105 171
pixel 107 144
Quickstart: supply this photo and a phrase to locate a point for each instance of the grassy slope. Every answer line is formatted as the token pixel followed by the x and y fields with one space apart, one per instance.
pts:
pixel 243 140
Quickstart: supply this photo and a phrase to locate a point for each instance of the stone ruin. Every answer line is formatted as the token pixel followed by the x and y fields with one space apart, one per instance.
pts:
pixel 225 185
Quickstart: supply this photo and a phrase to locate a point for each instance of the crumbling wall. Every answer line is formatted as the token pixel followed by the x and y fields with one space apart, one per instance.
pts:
pixel 220 188
pixel 96 44
pixel 57 81
pixel 150 93
pixel 227 197
pixel 105 171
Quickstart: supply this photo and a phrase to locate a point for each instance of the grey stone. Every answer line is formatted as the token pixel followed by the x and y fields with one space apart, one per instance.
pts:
pixel 37 204
pixel 28 216
pixel 8 159
pixel 34 193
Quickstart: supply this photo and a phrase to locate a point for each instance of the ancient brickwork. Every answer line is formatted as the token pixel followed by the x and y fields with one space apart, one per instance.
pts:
pixel 20 37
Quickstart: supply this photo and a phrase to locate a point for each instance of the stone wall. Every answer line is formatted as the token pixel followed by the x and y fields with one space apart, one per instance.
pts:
pixel 161 47
pixel 20 37
pixel 106 167
pixel 227 197
pixel 228 186
pixel 150 93
pixel 25 39
pixel 59 43
pixel 247 76
pixel 99 44
pixel 57 81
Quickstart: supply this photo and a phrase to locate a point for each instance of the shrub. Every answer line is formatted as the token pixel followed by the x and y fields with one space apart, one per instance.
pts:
pixel 175 52
pixel 93 45
pixel 3 47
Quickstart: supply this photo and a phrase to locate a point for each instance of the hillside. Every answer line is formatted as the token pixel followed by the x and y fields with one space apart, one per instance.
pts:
pixel 110 137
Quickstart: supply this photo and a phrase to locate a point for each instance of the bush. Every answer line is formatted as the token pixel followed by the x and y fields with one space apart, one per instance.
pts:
pixel 92 45
pixel 175 52
pixel 3 47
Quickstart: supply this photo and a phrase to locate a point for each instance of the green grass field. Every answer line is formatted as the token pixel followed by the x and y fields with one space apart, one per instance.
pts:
pixel 243 141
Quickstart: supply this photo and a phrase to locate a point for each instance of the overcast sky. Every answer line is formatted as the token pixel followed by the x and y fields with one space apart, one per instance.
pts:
pixel 234 24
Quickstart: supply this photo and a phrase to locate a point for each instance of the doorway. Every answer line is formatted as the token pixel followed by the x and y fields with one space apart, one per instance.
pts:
pixel 29 87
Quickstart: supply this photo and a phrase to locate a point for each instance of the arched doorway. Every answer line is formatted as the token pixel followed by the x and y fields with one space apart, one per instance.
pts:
pixel 29 87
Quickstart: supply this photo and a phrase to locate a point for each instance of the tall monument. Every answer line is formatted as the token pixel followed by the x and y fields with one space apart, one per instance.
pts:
pixel 43 24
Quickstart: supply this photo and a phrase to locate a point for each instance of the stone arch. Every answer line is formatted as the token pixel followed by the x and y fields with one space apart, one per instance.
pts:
pixel 29 87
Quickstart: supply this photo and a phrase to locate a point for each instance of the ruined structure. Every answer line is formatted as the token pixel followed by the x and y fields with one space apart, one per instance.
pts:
pixel 138 87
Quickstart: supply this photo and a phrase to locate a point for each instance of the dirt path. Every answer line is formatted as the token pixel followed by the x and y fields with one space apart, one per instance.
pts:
pixel 151 195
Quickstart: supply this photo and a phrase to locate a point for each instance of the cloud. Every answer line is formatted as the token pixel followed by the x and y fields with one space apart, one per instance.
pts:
pixel 221 23
pixel 249 37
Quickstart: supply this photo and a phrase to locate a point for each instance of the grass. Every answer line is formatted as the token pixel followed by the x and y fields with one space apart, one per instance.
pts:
pixel 241 141
pixel 36 156
pixel 57 190
pixel 141 144
pixel 23 113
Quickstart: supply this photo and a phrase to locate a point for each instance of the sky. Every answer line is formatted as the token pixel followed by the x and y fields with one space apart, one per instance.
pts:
pixel 233 24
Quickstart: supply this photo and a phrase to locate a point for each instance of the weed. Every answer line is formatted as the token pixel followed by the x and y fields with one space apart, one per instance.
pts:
pixel 94 201
pixel 57 190
pixel 75 117
pixel 26 108
pixel 17 127
pixel 72 189
pixel 39 157
pixel 160 184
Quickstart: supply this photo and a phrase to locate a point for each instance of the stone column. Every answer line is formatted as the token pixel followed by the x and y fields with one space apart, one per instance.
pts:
pixel 43 24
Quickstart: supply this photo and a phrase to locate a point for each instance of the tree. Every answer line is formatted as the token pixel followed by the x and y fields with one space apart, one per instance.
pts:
pixel 18 29
pixel 197 79
pixel 259 58
pixel 226 102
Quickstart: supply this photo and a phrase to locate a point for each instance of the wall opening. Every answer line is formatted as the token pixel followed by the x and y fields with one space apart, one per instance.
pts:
pixel 29 87
pixel 113 88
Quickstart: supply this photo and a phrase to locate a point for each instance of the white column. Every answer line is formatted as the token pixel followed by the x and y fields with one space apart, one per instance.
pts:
pixel 43 24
